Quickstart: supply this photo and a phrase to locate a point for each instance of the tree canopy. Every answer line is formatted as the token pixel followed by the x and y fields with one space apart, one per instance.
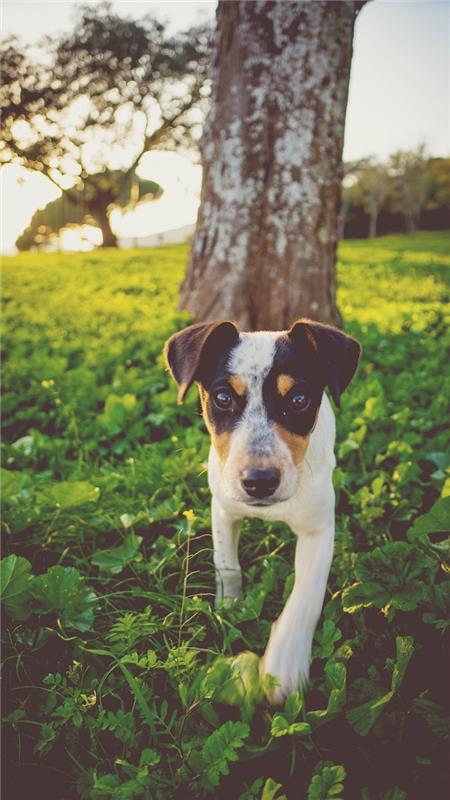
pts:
pixel 99 98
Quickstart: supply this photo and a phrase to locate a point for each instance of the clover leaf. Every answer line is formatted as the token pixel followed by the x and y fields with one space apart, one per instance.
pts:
pixel 63 591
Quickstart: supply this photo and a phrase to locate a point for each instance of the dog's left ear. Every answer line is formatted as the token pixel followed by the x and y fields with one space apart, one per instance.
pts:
pixel 338 353
pixel 192 353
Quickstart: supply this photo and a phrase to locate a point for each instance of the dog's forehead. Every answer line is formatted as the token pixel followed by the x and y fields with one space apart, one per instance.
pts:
pixel 253 357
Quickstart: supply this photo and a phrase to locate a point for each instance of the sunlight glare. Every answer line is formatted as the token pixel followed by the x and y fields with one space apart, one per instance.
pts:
pixel 23 192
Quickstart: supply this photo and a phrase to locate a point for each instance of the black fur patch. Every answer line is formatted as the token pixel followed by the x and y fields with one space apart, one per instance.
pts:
pixel 192 353
pixel 223 420
pixel 305 369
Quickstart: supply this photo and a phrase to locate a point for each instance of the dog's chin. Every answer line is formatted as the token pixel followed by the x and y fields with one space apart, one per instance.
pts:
pixel 259 502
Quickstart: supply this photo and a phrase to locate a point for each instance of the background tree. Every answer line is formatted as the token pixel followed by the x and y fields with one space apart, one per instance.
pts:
pixel 409 169
pixel 265 244
pixel 350 193
pixel 439 185
pixel 375 186
pixel 125 192
pixel 106 93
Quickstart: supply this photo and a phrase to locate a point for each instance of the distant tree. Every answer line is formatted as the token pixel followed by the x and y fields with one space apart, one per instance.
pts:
pixel 125 192
pixel 392 188
pixel 438 194
pixel 375 186
pixel 265 244
pixel 412 182
pixel 106 93
pixel 350 193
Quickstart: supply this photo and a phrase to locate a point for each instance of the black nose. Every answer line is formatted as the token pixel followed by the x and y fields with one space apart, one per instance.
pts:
pixel 260 482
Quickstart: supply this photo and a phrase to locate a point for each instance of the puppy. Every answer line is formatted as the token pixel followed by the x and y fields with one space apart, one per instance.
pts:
pixel 272 430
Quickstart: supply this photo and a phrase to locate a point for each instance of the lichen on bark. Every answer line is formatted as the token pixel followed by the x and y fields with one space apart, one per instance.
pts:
pixel 265 244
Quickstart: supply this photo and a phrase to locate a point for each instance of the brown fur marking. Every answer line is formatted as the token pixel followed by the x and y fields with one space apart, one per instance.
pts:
pixel 284 384
pixel 221 441
pixel 297 444
pixel 238 385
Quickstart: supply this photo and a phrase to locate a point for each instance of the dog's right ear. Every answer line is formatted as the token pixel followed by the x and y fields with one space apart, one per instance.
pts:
pixel 191 353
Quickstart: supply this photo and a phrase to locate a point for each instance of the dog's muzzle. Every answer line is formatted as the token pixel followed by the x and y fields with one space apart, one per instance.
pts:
pixel 260 483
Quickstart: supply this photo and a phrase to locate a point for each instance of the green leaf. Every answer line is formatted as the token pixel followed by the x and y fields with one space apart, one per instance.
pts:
pixel 374 408
pixel 12 483
pixel 354 598
pixel 234 681
pixel 69 494
pixel 114 559
pixel 364 716
pixel 63 591
pixel 325 639
pixel 48 735
pixel 104 786
pixel 281 727
pixel 119 411
pixel 389 578
pixel 16 579
pixel 336 679
pixel 438 604
pixel 120 723
pixel 434 716
pixel 149 758
pixel 292 706
pixel 436 520
pixel 327 781
pixel 134 685
pixel 271 789
pixel 440 459
pixel 404 650
pixel 220 748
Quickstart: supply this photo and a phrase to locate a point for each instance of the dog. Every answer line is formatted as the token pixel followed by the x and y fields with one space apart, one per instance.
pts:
pixel 272 434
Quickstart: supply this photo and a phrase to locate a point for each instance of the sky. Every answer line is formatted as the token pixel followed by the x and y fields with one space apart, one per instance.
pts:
pixel 399 97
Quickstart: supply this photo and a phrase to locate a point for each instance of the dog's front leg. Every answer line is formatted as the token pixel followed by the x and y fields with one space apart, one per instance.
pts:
pixel 288 651
pixel 225 533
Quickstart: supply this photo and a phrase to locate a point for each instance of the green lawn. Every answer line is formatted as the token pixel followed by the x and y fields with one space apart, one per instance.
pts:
pixel 120 678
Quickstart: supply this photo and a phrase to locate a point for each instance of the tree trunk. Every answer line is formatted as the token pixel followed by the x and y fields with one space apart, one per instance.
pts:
pixel 342 219
pixel 412 221
pixel 265 244
pixel 373 219
pixel 101 216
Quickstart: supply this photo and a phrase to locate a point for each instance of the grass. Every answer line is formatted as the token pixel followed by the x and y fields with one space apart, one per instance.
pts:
pixel 122 682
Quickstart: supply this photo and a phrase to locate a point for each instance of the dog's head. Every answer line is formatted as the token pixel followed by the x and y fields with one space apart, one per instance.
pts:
pixel 260 395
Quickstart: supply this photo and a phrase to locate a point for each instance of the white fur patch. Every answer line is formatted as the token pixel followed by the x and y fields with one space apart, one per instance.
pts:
pixel 253 357
pixel 254 441
pixel 252 360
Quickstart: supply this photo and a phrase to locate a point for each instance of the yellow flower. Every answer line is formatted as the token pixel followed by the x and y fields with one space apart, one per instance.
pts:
pixel 73 669
pixel 48 384
pixel 89 700
pixel 190 516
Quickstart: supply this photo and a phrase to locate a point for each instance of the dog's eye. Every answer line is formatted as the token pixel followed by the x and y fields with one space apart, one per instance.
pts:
pixel 222 399
pixel 299 402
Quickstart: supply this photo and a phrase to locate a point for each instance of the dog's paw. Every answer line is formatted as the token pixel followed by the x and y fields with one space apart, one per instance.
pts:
pixel 284 668
pixel 277 687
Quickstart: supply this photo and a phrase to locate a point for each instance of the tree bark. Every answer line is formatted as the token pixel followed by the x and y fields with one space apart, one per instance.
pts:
pixel 373 219
pixel 109 237
pixel 265 244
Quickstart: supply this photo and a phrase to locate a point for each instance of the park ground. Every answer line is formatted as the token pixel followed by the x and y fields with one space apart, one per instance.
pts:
pixel 121 681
